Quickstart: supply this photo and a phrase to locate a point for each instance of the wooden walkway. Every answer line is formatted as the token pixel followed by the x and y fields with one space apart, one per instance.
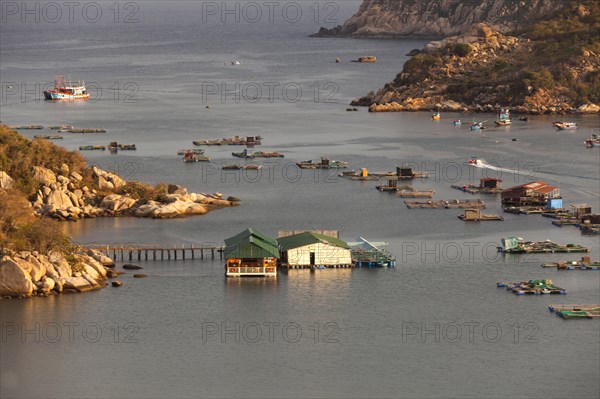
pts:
pixel 156 251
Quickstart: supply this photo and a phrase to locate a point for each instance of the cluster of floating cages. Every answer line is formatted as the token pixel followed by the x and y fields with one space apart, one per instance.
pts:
pixel 584 264
pixel 446 204
pixel 532 287
pixel 542 247
pixel 575 311
pixel 236 140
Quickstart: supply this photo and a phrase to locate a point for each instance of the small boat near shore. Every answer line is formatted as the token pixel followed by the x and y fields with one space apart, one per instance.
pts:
pixel 45 137
pixel 325 163
pixel 436 116
pixel 566 125
pixel 503 118
pixel 92 148
pixel 593 141
pixel 477 125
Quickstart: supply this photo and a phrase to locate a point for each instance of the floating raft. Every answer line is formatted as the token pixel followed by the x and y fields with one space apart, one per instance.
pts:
pixel 446 204
pixel 62 127
pixel 83 131
pixel 92 148
pixel 532 287
pixel 471 189
pixel 475 215
pixel 44 137
pixel 575 311
pixel 29 127
pixel 543 247
pixel 362 176
pixel 573 265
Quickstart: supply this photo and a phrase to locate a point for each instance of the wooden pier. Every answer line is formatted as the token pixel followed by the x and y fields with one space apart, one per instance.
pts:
pixel 131 252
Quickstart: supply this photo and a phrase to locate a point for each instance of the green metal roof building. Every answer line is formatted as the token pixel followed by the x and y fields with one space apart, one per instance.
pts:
pixel 251 244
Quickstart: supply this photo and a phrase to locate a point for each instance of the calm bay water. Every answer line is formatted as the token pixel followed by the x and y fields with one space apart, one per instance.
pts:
pixel 435 326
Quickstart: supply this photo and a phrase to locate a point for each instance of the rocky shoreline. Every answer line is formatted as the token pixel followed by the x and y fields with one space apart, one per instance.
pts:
pixel 442 76
pixel 25 274
pixel 63 196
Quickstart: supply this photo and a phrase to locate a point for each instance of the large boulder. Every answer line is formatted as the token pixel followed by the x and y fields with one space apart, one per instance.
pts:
pixel 6 181
pixel 589 109
pixel 14 281
pixel 61 266
pixel 116 202
pixel 109 180
pixel 59 199
pixel 79 284
pixel 43 175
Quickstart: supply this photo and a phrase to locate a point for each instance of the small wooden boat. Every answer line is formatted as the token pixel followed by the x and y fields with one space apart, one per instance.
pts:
pixel 593 141
pixel 457 122
pixel 325 163
pixel 503 118
pixel 92 148
pixel 477 125
pixel 566 125
pixel 436 116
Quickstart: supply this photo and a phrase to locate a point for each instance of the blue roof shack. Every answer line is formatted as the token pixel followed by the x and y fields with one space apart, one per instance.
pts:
pixel 251 253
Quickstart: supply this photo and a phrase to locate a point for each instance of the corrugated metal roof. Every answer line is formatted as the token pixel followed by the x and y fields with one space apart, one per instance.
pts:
pixel 537 186
pixel 251 244
pixel 249 233
pixel 307 238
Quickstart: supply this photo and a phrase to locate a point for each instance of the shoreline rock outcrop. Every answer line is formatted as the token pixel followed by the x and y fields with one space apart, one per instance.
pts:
pixel 63 196
pixel 25 274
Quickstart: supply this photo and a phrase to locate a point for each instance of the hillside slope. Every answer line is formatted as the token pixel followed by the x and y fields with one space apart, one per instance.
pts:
pixel 551 66
pixel 439 18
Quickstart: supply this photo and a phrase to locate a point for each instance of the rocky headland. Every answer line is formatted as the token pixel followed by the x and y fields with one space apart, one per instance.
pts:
pixel 400 19
pixel 536 57
pixel 42 185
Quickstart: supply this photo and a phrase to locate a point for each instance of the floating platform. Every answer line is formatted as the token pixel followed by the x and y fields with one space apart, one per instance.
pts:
pixel 576 311
pixel 446 204
pixel 471 189
pixel 532 287
pixel 362 176
pixel 83 131
pixel 29 127
pixel 475 215
pixel 584 264
pixel 92 148
pixel 541 247
pixel 44 137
